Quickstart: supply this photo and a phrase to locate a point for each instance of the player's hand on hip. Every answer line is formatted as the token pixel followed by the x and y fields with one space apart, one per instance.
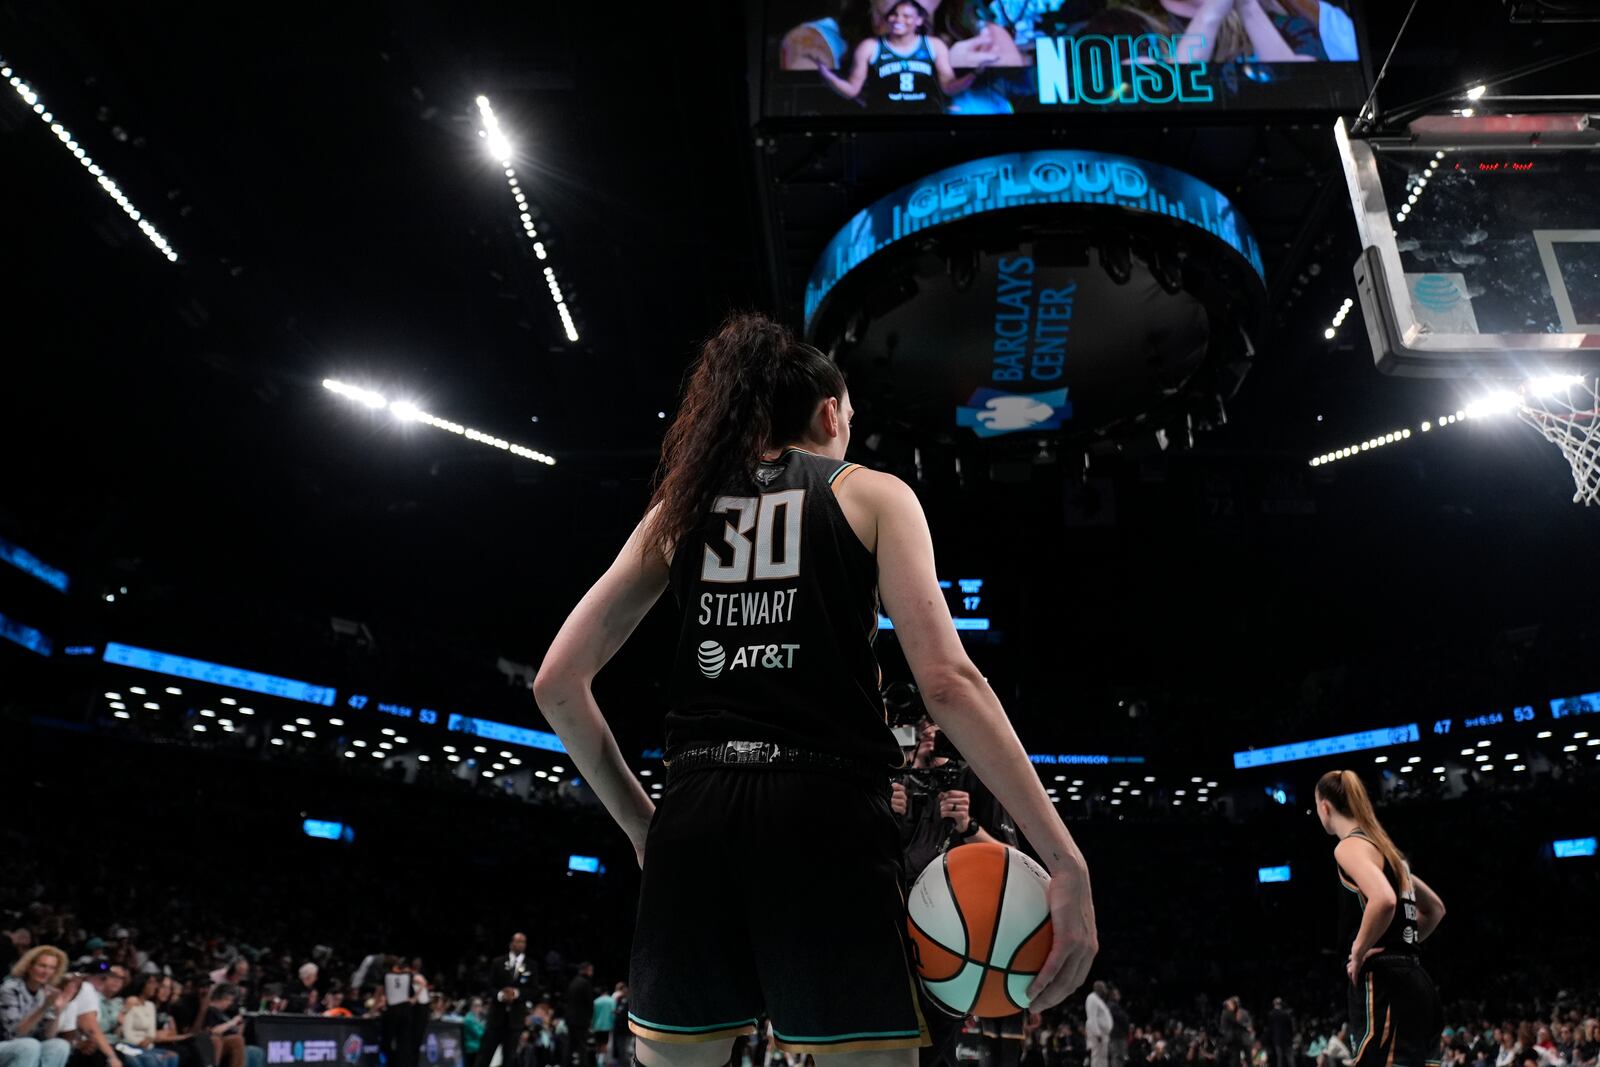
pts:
pixel 1076 940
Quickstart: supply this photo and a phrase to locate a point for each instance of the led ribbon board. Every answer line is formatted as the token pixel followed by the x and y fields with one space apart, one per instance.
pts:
pixel 1272 874
pixel 1584 704
pixel 1024 179
pixel 1327 746
pixel 1574 847
pixel 325 830
pixel 505 732
pixel 1056 264
pixel 28 563
pixel 25 635
pixel 1088 760
pixel 197 670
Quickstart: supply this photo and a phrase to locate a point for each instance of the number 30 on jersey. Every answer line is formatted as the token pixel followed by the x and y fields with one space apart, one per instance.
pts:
pixel 773 516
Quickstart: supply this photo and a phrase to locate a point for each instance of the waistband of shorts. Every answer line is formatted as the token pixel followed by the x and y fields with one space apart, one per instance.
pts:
pixel 758 754
pixel 1391 960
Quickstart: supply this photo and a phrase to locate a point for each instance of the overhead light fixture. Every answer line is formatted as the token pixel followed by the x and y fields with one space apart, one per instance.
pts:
pixel 500 147
pixel 30 97
pixel 1476 92
pixel 407 412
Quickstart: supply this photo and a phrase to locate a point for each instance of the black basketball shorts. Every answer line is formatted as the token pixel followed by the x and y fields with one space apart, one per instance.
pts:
pixel 1395 1016
pixel 774 891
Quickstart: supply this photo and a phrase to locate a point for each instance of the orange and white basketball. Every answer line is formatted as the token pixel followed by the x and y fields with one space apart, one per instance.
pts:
pixel 980 927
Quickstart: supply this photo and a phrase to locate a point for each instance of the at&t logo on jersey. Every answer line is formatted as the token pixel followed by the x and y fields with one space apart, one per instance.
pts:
pixel 714 658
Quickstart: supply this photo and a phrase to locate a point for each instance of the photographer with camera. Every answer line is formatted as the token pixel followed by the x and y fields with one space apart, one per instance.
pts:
pixel 941 804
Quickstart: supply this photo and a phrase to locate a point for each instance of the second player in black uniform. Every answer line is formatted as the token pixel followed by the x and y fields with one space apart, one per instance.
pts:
pixel 1385 914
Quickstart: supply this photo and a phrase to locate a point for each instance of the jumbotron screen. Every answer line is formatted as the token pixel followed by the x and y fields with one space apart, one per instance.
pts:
pixel 889 58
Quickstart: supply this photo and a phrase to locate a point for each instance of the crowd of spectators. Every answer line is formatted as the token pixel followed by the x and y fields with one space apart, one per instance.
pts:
pixel 113 999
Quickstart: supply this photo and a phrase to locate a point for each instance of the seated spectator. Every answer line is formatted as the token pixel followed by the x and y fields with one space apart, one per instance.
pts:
pixel 236 974
pixel 31 1007
pixel 111 1000
pixel 333 1004
pixel 80 1020
pixel 1337 1054
pixel 1586 1046
pixel 225 1019
pixel 303 997
pixel 1508 1047
pixel 1545 1042
pixel 135 1035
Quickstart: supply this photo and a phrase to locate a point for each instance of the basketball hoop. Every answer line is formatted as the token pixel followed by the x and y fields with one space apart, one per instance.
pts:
pixel 1567 413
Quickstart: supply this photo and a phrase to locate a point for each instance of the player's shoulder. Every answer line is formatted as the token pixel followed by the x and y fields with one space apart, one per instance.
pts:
pixel 868 47
pixel 873 486
pixel 1355 848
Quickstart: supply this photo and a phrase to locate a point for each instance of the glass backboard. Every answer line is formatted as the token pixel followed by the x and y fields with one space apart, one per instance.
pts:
pixel 1480 244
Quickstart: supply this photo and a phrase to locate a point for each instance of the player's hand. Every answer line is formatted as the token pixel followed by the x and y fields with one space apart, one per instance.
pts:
pixel 1352 967
pixel 1076 940
pixel 956 805
pixel 899 799
pixel 508 994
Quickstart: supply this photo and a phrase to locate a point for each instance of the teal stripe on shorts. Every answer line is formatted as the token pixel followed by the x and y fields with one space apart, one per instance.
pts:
pixel 866 1035
pixel 664 1028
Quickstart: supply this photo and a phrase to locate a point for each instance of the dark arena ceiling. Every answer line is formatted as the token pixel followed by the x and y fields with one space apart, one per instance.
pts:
pixel 319 172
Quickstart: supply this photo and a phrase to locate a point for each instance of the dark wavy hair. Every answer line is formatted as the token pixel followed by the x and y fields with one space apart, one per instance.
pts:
pixel 752 387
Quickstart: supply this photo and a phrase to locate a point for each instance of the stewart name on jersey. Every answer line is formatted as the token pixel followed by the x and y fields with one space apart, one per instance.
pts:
pixel 778 611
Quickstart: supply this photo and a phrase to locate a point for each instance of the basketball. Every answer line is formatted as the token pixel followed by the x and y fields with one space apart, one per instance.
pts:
pixel 980 928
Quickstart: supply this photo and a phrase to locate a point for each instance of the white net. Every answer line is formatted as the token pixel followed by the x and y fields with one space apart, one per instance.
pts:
pixel 1568 415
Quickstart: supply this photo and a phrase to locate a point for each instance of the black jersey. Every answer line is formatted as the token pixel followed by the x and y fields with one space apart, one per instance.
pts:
pixel 904 82
pixel 1401 936
pixel 779 610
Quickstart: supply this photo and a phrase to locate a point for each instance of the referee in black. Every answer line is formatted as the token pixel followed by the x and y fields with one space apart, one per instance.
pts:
pixel 1385 914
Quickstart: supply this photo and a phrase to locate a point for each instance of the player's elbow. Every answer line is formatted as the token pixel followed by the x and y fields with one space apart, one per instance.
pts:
pixel 1384 904
pixel 555 689
pixel 948 688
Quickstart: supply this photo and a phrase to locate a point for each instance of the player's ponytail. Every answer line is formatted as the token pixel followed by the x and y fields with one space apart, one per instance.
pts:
pixel 753 387
pixel 1343 789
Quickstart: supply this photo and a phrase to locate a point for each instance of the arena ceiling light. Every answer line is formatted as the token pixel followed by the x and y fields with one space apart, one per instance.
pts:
pixel 408 412
pixel 70 143
pixel 1493 404
pixel 500 148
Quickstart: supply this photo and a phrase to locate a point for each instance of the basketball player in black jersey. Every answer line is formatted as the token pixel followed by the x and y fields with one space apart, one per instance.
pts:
pixel 905 70
pixel 776 550
pixel 1385 915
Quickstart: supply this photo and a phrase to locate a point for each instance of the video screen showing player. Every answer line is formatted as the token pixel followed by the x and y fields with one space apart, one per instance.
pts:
pixel 989 57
